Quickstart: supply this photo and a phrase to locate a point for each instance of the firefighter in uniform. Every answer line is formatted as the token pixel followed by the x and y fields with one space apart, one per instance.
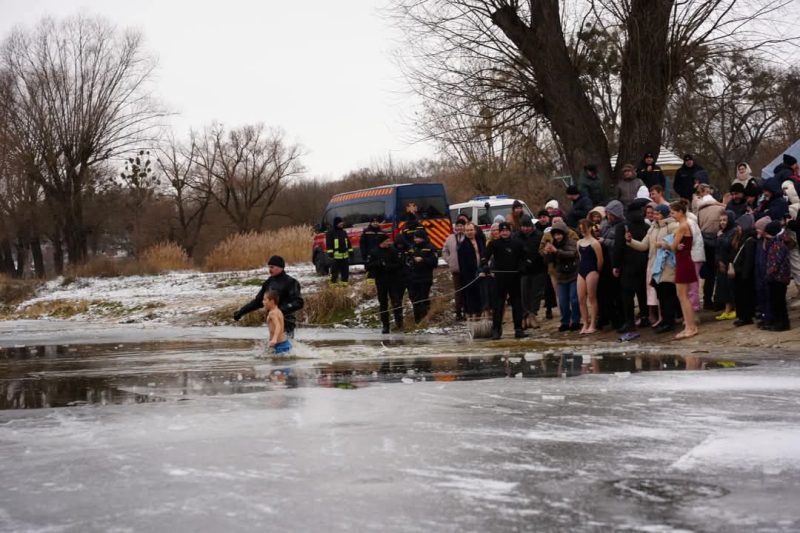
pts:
pixel 339 251
pixel 420 260
pixel 385 265
pixel 508 254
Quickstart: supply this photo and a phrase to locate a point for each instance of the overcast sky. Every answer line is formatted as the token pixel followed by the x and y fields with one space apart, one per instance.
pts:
pixel 319 69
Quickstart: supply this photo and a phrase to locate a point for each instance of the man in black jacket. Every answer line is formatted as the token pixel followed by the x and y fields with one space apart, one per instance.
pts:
pixel 508 255
pixel 581 205
pixel 649 172
pixel 689 175
pixel 420 261
pixel 630 266
pixel 385 265
pixel 287 288
pixel 533 272
pixel 339 250
pixel 370 237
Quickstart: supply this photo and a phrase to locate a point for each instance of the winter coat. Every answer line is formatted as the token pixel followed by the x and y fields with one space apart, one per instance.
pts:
pixel 580 209
pixel 421 272
pixel 651 177
pixel 338 244
pixel 708 214
pixel 683 183
pixel 369 240
pixel 386 264
pixel 631 262
pixel 778 268
pixel 450 251
pixel 738 208
pixel 507 255
pixel 533 263
pixel 627 189
pixel 745 259
pixel 789 188
pixel 656 234
pixel 547 237
pixel 288 290
pixel 592 189
pixel 468 262
pixel 781 172
pixel 723 251
pixel 565 258
pixel 698 246
pixel 776 207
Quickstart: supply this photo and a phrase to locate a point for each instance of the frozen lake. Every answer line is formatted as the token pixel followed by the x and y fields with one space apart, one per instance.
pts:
pixel 177 429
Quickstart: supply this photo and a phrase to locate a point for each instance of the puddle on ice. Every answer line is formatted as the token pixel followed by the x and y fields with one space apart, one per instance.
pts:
pixel 63 375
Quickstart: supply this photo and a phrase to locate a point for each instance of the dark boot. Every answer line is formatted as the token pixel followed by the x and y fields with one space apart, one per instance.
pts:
pixel 385 329
pixel 496 334
pixel 520 334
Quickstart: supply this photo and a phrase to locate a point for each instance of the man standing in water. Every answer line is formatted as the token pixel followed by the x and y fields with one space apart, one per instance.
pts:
pixel 290 301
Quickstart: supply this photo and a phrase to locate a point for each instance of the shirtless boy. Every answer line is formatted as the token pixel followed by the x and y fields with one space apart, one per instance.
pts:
pixel 277 336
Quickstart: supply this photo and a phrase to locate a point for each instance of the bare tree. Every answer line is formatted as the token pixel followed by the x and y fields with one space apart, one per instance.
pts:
pixel 178 164
pixel 79 96
pixel 525 58
pixel 244 170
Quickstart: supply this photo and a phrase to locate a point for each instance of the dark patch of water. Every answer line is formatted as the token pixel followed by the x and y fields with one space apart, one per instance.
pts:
pixel 57 376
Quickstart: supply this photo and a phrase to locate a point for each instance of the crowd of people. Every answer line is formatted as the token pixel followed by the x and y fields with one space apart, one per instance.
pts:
pixel 627 262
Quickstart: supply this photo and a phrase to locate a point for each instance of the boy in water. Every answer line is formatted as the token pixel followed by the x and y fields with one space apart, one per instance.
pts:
pixel 277 336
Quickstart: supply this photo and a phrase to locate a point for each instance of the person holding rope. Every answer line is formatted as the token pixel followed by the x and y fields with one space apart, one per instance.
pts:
pixel 289 299
pixel 508 254
pixel 421 260
pixel 385 266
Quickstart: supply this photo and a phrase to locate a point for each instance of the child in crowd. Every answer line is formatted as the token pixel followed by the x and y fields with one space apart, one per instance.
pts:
pixel 277 336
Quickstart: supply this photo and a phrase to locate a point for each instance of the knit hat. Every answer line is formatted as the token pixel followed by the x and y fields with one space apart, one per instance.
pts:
pixel 572 189
pixel 643 192
pixel 277 261
pixel 499 218
pixel 543 213
pixel 687 157
pixel 663 209
pixel 526 221
pixel 789 160
pixel 591 167
pixel 752 189
pixel 649 154
pixel 516 204
pixel 737 187
pixel 745 222
pixel 337 221
pixel 628 167
pixel 504 225
pixel 616 208
pixel 773 228
pixel 762 222
pixel 551 204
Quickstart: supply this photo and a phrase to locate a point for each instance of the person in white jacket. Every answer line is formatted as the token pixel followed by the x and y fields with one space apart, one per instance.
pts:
pixel 698 257
pixel 790 191
pixel 450 255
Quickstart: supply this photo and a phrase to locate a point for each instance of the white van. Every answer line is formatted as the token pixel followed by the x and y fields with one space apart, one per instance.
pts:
pixel 482 210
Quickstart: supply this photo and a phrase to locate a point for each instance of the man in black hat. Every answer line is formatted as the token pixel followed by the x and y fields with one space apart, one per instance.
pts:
pixel 288 289
pixel 591 185
pixel 339 250
pixel 420 261
pixel 688 176
pixel 649 172
pixel 581 205
pixel 785 169
pixel 385 266
pixel 369 237
pixel 508 255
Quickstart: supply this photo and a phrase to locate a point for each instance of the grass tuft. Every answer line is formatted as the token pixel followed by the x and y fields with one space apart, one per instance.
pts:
pixel 14 291
pixel 246 251
pixel 329 305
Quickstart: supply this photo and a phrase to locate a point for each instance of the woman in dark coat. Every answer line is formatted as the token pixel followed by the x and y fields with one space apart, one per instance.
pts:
pixel 470 251
pixel 723 255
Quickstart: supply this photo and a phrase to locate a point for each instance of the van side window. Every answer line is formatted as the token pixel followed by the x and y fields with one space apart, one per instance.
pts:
pixel 427 206
pixel 360 213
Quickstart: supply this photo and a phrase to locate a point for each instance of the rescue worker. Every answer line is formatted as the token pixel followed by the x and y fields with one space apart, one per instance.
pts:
pixel 369 237
pixel 288 289
pixel 339 251
pixel 508 254
pixel 385 266
pixel 533 272
pixel 420 260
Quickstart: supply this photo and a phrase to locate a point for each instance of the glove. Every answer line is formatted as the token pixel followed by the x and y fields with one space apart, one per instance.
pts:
pixel 237 315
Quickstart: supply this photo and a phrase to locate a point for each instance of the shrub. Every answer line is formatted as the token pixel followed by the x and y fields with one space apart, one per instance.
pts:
pixel 13 291
pixel 163 257
pixel 329 305
pixel 246 251
pixel 99 266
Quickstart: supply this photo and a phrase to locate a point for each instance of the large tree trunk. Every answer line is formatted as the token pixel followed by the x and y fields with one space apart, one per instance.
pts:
pixel 645 80
pixel 7 257
pixel 38 257
pixel 563 101
pixel 58 257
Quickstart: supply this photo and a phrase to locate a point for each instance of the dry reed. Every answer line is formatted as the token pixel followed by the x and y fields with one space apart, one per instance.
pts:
pixel 328 306
pixel 163 257
pixel 246 251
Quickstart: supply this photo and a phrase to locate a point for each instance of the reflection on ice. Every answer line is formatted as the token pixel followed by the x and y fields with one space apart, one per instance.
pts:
pixel 64 375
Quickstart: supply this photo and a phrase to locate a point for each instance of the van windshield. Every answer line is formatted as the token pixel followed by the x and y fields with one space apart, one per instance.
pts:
pixel 427 206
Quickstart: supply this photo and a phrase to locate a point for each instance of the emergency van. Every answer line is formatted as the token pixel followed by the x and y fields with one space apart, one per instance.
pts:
pixel 482 210
pixel 388 203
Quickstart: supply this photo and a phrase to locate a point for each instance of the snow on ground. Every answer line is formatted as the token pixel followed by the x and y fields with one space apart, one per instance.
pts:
pixel 173 297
